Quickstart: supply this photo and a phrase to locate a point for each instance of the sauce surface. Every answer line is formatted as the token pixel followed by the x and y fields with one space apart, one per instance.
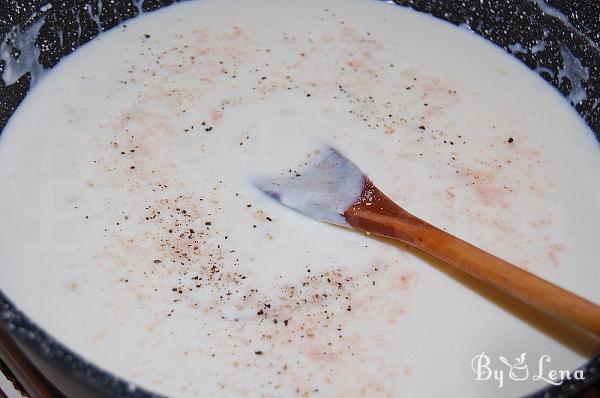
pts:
pixel 131 230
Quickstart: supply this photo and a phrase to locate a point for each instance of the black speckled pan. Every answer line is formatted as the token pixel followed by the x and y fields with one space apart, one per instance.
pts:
pixel 570 61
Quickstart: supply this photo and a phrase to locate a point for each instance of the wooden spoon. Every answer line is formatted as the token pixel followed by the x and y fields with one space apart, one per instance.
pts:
pixel 334 190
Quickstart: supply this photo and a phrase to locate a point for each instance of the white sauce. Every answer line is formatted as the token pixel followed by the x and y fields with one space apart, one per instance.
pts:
pixel 131 230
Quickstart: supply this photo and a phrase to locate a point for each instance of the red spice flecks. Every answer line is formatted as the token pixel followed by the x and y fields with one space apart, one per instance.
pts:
pixel 554 250
pixel 487 186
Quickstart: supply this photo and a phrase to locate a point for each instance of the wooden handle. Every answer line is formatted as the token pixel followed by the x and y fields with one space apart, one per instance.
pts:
pixel 380 215
pixel 35 384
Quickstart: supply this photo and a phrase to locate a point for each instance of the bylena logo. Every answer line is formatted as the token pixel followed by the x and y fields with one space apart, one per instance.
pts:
pixel 519 370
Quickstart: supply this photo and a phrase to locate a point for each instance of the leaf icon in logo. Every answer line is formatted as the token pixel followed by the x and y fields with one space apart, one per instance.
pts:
pixel 519 370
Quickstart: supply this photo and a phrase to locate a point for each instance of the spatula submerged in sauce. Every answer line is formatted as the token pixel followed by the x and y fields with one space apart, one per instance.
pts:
pixel 333 189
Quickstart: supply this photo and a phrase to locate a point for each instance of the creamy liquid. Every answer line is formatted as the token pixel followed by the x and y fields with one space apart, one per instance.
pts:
pixel 131 230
